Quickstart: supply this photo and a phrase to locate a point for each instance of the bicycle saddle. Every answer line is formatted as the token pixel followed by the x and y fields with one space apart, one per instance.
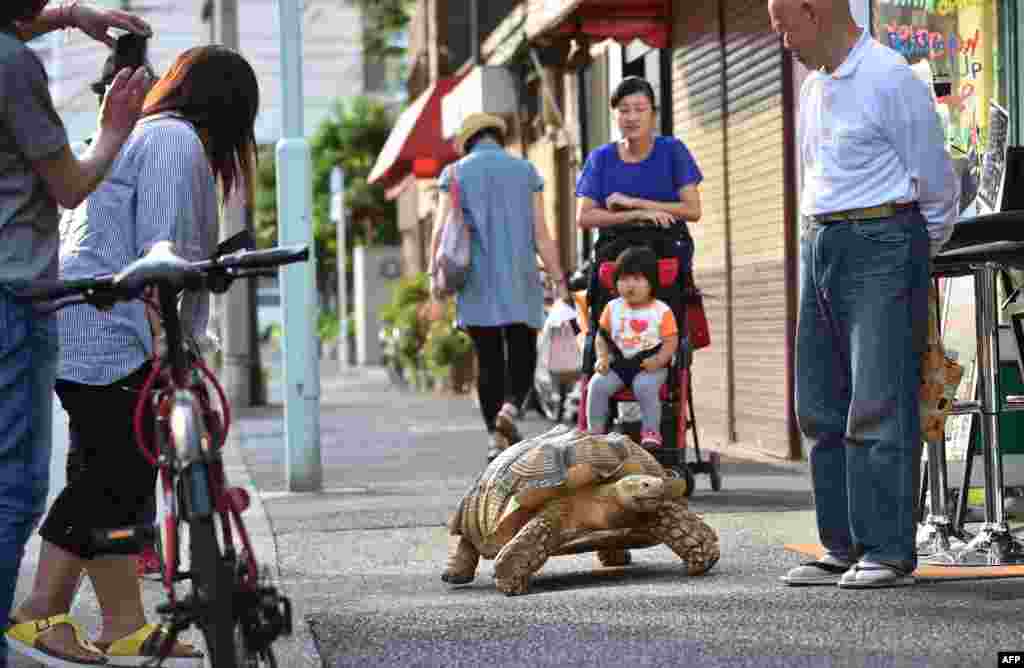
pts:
pixel 160 265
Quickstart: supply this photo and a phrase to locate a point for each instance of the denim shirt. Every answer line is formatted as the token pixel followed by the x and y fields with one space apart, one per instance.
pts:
pixel 496 191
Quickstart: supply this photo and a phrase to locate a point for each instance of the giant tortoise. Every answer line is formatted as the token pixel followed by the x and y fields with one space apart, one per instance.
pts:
pixel 567 492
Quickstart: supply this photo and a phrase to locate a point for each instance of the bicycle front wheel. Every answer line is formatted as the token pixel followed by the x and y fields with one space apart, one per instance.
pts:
pixel 213 588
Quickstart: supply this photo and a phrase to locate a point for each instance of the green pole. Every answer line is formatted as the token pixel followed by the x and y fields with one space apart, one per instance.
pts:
pixel 298 287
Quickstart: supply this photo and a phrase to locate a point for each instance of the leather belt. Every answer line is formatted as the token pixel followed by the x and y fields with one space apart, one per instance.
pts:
pixel 866 213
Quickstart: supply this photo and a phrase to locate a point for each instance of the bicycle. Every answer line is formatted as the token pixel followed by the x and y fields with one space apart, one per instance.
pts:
pixel 238 614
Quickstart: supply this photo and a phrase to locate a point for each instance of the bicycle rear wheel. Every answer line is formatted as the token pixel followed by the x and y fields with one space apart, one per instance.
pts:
pixel 213 589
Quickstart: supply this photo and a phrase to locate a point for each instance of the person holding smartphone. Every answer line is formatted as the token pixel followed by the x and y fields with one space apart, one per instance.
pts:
pixel 38 171
pixel 193 147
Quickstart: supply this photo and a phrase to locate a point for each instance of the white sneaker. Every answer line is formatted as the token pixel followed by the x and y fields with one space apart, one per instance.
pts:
pixel 872 575
pixel 826 571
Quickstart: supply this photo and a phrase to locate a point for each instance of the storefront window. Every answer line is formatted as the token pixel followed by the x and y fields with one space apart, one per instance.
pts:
pixel 954 45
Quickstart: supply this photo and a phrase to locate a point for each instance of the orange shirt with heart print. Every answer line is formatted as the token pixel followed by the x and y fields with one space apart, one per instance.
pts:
pixel 635 329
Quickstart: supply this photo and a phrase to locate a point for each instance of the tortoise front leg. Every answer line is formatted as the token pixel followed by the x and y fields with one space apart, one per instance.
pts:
pixel 462 560
pixel 524 555
pixel 688 536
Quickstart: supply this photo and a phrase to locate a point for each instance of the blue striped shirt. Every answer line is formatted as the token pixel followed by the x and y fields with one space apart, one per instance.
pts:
pixel 160 188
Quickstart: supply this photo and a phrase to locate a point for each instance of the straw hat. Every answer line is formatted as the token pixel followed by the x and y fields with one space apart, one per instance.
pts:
pixel 473 124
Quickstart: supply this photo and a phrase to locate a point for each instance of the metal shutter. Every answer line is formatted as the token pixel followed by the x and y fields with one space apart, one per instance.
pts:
pixel 698 120
pixel 756 215
pixel 728 109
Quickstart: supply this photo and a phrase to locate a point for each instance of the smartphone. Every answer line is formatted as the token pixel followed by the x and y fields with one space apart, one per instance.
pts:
pixel 130 51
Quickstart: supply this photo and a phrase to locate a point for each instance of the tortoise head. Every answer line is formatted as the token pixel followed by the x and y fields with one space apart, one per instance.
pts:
pixel 641 493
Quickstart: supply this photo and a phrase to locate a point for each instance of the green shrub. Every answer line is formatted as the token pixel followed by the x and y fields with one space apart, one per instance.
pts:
pixel 328 327
pixel 446 345
pixel 409 294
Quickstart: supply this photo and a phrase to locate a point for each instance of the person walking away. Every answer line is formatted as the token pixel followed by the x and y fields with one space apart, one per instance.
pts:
pixel 501 306
pixel 879 197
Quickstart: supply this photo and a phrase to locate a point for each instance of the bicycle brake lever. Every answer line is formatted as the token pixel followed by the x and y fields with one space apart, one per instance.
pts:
pixel 218 282
pixel 103 302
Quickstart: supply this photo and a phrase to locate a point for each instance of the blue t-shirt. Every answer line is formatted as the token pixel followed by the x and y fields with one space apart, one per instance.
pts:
pixel 657 178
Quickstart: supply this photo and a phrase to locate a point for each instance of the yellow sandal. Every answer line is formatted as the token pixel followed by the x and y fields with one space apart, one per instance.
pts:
pixel 138 648
pixel 25 638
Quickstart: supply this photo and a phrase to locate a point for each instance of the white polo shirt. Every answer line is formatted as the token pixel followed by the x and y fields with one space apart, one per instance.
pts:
pixel 869 134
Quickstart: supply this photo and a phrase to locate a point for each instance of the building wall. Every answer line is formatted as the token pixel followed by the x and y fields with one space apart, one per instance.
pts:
pixel 727 79
pixel 542 154
pixel 756 215
pixel 409 230
pixel 698 120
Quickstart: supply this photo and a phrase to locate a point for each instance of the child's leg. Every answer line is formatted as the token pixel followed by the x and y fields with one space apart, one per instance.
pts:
pixel 646 387
pixel 599 396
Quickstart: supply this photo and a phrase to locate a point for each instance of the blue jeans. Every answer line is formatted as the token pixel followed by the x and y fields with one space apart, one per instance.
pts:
pixel 28 368
pixel 862 326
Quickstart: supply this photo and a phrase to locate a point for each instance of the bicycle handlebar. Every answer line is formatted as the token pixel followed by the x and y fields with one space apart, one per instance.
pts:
pixel 162 266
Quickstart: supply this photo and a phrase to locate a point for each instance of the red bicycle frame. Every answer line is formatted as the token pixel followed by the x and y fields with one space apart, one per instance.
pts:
pixel 230 502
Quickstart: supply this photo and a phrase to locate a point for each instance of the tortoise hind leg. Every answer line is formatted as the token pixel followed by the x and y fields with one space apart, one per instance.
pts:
pixel 524 555
pixel 462 561
pixel 614 557
pixel 686 534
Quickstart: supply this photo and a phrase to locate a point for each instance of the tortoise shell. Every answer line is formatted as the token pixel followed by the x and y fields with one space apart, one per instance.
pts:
pixel 529 474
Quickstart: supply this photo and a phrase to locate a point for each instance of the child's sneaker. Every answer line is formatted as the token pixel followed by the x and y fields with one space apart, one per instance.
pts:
pixel 650 440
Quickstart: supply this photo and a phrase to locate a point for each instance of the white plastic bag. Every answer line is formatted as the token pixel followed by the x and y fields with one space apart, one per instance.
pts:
pixel 562 354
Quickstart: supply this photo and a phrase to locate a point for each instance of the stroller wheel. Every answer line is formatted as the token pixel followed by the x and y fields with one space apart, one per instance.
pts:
pixel 714 474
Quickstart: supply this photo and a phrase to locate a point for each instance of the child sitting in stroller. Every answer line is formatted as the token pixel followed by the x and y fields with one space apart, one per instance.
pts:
pixel 637 337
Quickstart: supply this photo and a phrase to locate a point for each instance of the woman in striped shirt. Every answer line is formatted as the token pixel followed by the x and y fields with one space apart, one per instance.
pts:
pixel 196 133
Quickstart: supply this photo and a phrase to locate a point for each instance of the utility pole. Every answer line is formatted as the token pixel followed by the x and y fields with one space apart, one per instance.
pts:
pixel 236 304
pixel 340 220
pixel 225 25
pixel 304 469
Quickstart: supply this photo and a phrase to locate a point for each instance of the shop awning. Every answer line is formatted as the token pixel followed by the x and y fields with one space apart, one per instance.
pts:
pixel 416 141
pixel 650 21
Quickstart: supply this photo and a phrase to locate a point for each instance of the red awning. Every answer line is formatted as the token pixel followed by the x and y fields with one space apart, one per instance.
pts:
pixel 417 134
pixel 650 21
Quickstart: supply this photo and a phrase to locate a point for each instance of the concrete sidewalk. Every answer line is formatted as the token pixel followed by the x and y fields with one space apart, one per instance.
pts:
pixel 361 562
pixel 394 466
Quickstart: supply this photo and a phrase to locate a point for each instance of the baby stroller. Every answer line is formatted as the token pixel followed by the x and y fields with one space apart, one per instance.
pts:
pixel 679 292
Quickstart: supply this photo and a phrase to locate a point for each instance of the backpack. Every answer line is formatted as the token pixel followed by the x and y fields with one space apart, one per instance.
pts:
pixel 452 262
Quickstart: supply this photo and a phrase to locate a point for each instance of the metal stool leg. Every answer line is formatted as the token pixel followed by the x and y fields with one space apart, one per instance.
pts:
pixel 960 515
pixel 936 537
pixel 993 545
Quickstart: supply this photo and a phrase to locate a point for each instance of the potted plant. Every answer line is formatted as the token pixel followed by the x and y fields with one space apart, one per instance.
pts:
pixel 449 354
pixel 407 330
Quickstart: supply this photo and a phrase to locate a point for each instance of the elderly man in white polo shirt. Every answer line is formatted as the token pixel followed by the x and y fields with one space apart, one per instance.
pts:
pixel 879 198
